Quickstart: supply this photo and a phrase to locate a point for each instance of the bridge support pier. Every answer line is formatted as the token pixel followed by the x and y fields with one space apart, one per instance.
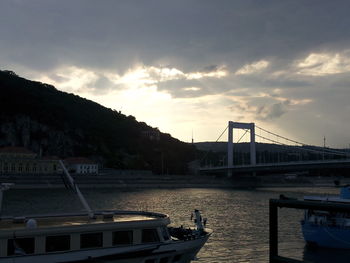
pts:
pixel 240 125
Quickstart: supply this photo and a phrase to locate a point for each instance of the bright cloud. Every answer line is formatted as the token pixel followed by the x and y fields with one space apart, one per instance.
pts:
pixel 214 74
pixel 192 88
pixel 321 64
pixel 74 79
pixel 253 68
pixel 71 79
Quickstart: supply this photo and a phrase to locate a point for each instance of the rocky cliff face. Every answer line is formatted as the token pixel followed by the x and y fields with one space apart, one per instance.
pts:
pixel 38 137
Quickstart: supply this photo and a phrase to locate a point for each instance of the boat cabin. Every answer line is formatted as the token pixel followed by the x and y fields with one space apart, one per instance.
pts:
pixel 45 234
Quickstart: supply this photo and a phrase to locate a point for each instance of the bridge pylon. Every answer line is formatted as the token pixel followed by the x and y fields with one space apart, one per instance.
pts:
pixel 240 125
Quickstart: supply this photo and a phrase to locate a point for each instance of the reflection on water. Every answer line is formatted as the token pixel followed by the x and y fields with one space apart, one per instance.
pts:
pixel 238 218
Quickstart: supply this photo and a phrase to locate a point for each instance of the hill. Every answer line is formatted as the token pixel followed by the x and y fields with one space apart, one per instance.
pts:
pixel 51 122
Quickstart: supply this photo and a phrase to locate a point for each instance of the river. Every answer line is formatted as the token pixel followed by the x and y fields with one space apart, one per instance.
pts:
pixel 238 218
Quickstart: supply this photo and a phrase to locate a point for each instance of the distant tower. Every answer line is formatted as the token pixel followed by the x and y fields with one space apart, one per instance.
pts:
pixel 324 146
pixel 192 137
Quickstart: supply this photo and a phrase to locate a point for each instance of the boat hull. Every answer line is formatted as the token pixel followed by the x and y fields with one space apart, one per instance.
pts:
pixel 326 235
pixel 185 251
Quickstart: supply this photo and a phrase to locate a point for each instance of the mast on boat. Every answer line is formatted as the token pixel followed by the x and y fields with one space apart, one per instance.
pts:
pixel 77 190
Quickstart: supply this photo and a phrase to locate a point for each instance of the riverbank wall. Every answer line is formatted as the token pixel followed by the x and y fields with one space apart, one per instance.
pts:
pixel 136 180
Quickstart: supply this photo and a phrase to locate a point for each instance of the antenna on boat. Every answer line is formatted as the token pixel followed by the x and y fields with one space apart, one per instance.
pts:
pixel 3 187
pixel 76 190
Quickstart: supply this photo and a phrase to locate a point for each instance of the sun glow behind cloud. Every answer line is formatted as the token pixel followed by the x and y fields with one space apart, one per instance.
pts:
pixel 136 92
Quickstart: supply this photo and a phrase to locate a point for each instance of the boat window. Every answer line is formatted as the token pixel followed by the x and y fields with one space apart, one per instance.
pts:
pixel 164 260
pixel 57 243
pixel 177 258
pixel 149 235
pixel 91 240
pixel 20 246
pixel 122 237
pixel 165 233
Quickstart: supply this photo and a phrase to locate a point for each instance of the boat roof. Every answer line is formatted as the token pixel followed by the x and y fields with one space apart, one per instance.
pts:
pixel 82 222
pixel 335 199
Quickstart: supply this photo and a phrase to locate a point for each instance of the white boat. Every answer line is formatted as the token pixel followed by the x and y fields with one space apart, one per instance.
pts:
pixel 328 229
pixel 99 236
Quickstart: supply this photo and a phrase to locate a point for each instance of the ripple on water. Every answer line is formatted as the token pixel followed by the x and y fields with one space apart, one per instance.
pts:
pixel 238 218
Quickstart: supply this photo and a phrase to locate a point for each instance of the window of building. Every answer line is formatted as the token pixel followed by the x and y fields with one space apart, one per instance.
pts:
pixel 20 167
pixel 122 238
pixel 164 260
pixel 91 240
pixel 20 246
pixel 149 235
pixel 165 233
pixel 57 243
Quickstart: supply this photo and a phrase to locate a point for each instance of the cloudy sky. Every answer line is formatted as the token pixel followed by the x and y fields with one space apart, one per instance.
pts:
pixel 193 65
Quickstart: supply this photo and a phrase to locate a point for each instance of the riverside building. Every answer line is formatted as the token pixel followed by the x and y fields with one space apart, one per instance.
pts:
pixel 19 160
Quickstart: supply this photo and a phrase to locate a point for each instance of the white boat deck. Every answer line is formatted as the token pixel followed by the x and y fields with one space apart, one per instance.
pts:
pixel 48 221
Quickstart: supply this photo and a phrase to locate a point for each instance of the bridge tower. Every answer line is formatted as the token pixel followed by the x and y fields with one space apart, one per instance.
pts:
pixel 240 125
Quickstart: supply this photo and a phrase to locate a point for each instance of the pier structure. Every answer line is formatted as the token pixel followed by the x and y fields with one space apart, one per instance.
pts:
pixel 285 202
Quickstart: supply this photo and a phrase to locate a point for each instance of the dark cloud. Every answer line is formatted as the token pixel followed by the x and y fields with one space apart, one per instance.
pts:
pixel 270 112
pixel 211 68
pixel 40 38
pixel 187 34
pixel 102 85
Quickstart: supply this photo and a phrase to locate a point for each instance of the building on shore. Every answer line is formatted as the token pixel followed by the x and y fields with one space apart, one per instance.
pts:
pixel 81 165
pixel 19 160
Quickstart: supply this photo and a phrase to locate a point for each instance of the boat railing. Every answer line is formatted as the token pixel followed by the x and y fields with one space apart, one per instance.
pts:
pixel 274 204
pixel 96 213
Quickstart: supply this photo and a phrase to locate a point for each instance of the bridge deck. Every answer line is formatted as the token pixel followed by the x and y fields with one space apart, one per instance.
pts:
pixel 281 166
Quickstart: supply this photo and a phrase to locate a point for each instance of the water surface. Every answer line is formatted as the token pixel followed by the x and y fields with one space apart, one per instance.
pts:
pixel 238 218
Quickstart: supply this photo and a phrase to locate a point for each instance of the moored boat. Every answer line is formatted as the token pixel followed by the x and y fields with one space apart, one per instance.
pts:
pixel 113 236
pixel 328 229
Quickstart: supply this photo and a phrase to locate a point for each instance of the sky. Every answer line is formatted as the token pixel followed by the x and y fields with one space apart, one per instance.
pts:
pixel 190 66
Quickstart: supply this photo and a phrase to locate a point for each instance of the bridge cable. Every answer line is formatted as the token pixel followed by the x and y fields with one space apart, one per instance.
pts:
pixel 242 136
pixel 301 147
pixel 280 136
pixel 205 156
pixel 303 144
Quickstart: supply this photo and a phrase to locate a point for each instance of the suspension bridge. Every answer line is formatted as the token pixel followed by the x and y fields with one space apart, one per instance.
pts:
pixel 268 151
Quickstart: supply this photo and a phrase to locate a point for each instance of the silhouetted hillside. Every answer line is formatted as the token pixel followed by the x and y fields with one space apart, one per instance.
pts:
pixel 43 119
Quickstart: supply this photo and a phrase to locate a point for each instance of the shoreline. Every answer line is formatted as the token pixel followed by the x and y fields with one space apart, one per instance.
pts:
pixel 150 181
